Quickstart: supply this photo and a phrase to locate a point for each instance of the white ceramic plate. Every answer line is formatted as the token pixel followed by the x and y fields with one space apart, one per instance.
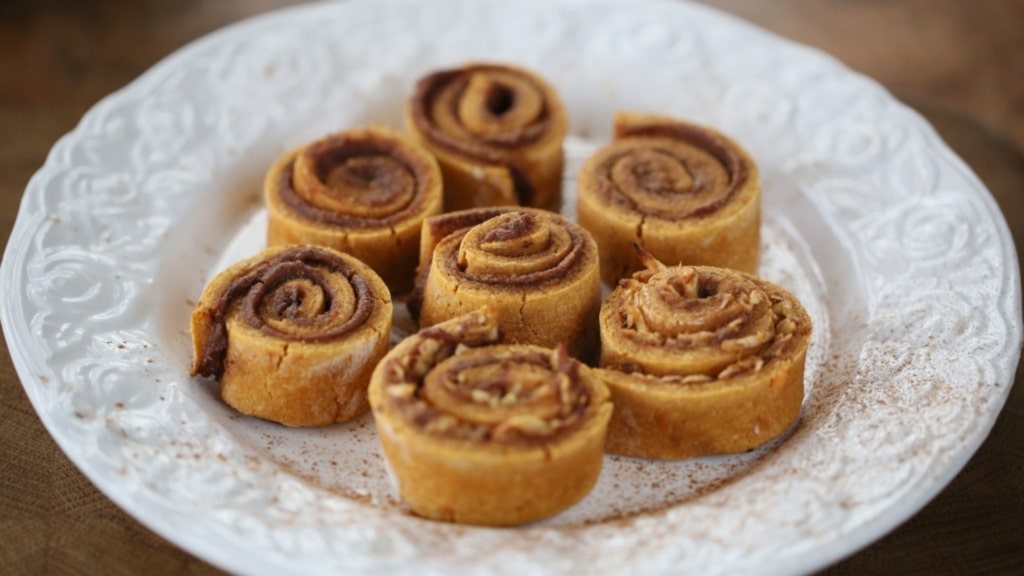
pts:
pixel 899 253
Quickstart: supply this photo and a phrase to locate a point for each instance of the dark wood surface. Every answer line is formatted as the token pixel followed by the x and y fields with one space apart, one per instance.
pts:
pixel 959 63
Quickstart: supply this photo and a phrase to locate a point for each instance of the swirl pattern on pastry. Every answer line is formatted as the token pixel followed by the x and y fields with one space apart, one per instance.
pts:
pixel 364 192
pixel 700 360
pixel 486 433
pixel 292 334
pixel 497 132
pixel 686 193
pixel 538 270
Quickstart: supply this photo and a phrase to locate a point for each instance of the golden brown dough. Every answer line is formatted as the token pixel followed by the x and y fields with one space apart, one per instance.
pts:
pixel 292 334
pixel 700 361
pixel 538 270
pixel 685 193
pixel 364 192
pixel 478 432
pixel 497 131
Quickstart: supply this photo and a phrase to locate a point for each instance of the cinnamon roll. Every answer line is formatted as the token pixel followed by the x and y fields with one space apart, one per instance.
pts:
pixel 685 193
pixel 479 432
pixel 292 334
pixel 364 192
pixel 538 270
pixel 497 132
pixel 700 361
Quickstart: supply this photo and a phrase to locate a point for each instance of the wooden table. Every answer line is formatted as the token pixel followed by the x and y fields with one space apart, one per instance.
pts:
pixel 957 62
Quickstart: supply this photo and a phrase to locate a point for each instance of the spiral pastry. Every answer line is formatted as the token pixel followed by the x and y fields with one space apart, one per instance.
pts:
pixel 364 192
pixel 292 334
pixel 700 361
pixel 685 193
pixel 484 433
pixel 538 270
pixel 497 132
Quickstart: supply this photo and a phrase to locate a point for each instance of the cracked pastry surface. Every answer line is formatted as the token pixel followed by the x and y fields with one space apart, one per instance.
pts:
pixel 685 193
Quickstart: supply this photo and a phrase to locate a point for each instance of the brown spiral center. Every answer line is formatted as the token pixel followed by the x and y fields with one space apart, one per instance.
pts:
pixel 680 321
pixel 667 179
pixel 667 169
pixel 302 293
pixel 306 301
pixel 488 105
pixel 354 178
pixel 480 387
pixel 518 247
pixel 502 393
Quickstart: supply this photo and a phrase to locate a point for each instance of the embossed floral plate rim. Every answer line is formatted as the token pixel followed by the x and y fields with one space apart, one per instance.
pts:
pixel 102 225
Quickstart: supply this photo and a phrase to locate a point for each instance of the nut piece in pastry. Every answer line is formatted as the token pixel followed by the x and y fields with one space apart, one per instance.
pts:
pixel 479 432
pixel 700 361
pixel 536 269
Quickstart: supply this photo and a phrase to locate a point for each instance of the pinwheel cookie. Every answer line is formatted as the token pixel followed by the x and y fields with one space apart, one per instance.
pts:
pixel 685 193
pixel 538 270
pixel 700 361
pixel 364 192
pixel 497 131
pixel 479 432
pixel 292 334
